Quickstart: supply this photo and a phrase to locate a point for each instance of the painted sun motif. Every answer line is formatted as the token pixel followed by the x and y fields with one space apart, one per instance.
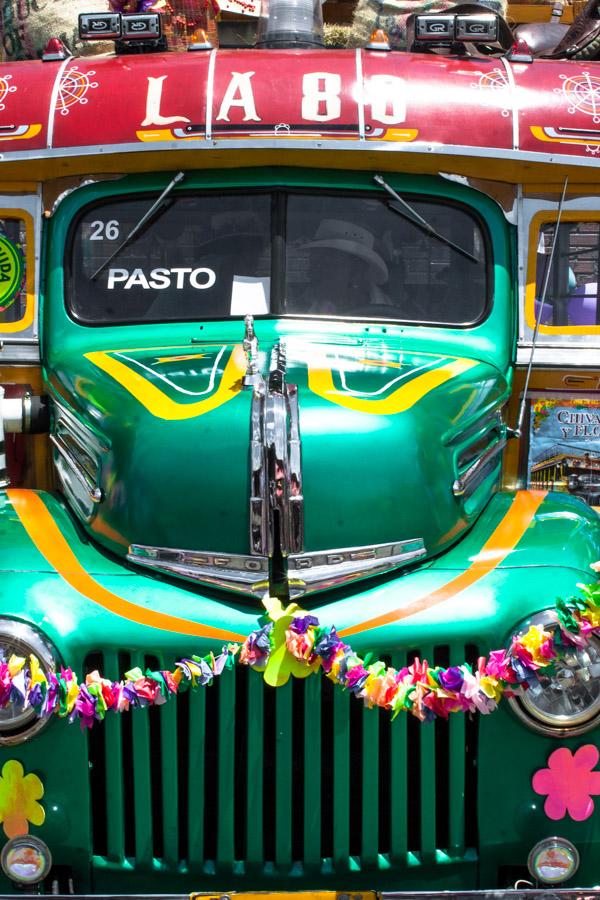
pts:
pixel 6 88
pixel 19 794
pixel 494 80
pixel 582 93
pixel 73 88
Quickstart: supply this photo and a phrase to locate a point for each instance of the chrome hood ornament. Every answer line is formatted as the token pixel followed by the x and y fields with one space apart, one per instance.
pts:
pixel 253 377
pixel 276 507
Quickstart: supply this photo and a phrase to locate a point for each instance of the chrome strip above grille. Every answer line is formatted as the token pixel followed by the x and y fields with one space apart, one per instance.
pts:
pixel 243 574
pixel 311 572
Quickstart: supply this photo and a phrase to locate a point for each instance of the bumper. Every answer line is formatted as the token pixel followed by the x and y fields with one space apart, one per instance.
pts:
pixel 534 894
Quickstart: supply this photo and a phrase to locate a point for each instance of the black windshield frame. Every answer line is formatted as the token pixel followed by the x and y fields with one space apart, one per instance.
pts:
pixel 279 307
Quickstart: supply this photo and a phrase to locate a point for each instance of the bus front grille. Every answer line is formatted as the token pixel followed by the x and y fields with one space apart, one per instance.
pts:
pixel 240 779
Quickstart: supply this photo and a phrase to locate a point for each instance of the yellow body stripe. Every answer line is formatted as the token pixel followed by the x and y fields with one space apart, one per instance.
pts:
pixel 51 543
pixel 157 402
pixel 501 542
pixel 320 381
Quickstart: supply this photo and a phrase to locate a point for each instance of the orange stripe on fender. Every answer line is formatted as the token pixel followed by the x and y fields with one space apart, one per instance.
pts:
pixel 49 540
pixel 500 543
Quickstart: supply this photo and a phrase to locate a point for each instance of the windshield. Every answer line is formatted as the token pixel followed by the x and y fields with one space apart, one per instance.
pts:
pixel 215 256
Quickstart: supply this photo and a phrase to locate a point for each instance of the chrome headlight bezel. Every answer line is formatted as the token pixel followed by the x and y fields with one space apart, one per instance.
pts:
pixel 542 720
pixel 23 639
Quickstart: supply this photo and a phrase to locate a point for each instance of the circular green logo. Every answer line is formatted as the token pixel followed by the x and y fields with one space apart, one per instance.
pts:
pixel 11 272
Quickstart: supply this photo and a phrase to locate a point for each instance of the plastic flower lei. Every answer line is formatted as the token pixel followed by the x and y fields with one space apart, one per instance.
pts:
pixel 290 641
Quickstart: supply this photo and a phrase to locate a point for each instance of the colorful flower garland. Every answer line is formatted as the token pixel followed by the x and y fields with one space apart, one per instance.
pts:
pixel 292 642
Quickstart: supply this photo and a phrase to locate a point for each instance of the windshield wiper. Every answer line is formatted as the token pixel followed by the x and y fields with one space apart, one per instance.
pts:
pixel 405 209
pixel 157 203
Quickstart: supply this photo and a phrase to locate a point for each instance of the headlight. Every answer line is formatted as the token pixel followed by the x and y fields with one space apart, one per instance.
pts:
pixel 567 700
pixel 16 723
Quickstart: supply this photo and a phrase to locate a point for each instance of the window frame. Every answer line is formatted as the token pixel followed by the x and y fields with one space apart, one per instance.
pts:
pixel 539 219
pixel 27 319
pixel 279 194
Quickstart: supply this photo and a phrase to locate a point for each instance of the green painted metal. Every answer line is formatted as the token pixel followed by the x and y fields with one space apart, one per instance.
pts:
pixel 313 796
pixel 115 811
pixel 226 795
pixel 370 787
pixel 284 809
pixel 195 772
pixel 169 744
pixel 457 736
pixel 399 782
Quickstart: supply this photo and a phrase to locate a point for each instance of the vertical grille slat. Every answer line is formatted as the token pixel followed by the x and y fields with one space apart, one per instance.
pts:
pixel 427 782
pixel 142 790
pixel 341 781
pixel 457 774
pixel 225 810
pixel 398 782
pixel 283 777
pixel 370 786
pixel 195 723
pixel 254 805
pixel 312 765
pixel 115 810
pixel 169 746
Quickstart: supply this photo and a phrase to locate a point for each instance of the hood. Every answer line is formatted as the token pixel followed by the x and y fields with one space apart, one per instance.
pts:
pixel 335 461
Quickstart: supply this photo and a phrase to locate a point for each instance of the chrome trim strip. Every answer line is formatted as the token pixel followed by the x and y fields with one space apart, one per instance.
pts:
pixel 419 147
pixel 283 455
pixel 234 572
pixel 54 99
pixel 210 83
pixel 360 93
pixel 295 498
pixel 514 109
pixel 469 480
pixel 95 493
pixel 311 572
pixel 259 515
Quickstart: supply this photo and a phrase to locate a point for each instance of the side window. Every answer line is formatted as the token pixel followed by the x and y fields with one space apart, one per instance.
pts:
pixel 16 271
pixel 571 304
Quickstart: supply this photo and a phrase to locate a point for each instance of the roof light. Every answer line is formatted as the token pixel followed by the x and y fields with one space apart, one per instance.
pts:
pixel 520 52
pixel 100 26
pixel 290 23
pixel 199 40
pixel 446 29
pixel 55 51
pixel 481 28
pixel 378 41
pixel 434 29
pixel 141 27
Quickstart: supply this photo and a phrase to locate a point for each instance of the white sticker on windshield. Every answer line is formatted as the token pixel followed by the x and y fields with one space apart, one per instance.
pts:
pixel 250 296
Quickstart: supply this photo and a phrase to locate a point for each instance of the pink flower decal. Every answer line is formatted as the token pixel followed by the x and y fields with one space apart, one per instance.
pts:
pixel 569 783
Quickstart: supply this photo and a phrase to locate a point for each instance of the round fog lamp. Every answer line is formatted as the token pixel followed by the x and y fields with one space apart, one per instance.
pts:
pixel 553 860
pixel 26 860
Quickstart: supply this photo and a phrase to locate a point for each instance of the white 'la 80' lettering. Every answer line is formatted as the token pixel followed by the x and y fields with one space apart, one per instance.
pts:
pixel 160 279
pixel 321 96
